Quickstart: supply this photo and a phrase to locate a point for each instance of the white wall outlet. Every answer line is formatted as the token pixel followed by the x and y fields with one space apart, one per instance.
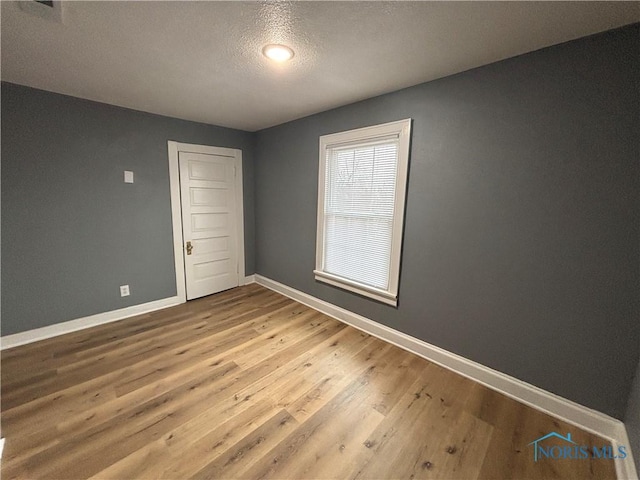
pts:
pixel 128 176
pixel 124 290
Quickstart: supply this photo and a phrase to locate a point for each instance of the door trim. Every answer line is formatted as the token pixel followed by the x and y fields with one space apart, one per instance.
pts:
pixel 176 210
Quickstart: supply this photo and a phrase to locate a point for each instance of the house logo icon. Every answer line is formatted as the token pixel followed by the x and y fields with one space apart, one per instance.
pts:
pixel 549 435
pixel 568 449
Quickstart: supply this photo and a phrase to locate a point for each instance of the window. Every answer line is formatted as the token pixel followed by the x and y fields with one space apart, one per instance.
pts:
pixel 361 194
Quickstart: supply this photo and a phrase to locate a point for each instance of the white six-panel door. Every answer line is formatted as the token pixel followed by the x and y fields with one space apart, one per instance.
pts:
pixel 208 203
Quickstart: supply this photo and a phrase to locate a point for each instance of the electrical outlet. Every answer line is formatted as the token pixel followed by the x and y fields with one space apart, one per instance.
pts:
pixel 124 290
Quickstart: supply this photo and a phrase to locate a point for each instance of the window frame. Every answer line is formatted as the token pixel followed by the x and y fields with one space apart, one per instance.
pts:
pixel 401 129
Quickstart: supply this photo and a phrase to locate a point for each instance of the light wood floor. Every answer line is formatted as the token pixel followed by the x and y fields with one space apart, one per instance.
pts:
pixel 249 384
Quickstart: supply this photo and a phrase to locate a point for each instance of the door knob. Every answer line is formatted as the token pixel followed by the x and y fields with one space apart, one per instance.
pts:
pixel 189 248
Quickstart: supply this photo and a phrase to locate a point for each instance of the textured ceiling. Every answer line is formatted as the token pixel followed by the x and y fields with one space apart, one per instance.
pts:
pixel 202 61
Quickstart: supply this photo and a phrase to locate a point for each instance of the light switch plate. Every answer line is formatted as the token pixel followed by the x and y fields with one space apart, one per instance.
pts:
pixel 128 176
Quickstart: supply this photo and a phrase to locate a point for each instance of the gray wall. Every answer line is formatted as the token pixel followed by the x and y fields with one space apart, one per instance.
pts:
pixel 632 419
pixel 521 246
pixel 73 231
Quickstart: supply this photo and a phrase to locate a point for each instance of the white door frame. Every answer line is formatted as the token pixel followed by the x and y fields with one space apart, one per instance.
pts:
pixel 176 210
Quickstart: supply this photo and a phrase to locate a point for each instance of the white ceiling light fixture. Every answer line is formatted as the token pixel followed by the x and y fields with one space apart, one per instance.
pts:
pixel 277 53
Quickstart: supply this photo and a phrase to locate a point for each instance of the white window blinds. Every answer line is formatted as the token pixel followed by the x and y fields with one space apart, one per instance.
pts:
pixel 361 194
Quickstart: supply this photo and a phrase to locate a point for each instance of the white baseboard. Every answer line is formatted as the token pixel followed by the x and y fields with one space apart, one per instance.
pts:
pixel 627 468
pixel 535 397
pixel 37 334
pixel 249 279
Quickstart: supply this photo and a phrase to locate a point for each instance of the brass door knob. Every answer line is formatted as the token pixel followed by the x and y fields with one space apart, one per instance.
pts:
pixel 189 248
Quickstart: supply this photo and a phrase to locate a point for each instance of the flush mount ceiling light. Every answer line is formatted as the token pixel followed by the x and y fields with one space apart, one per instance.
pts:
pixel 277 53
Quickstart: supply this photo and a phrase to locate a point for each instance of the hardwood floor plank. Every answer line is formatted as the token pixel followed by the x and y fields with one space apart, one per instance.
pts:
pixel 184 451
pixel 296 454
pixel 250 448
pixel 250 384
pixel 419 415
pixel 114 360
pixel 129 430
pixel 90 394
pixel 76 341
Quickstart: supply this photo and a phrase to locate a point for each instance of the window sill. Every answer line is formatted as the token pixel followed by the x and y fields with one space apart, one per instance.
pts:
pixel 364 290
